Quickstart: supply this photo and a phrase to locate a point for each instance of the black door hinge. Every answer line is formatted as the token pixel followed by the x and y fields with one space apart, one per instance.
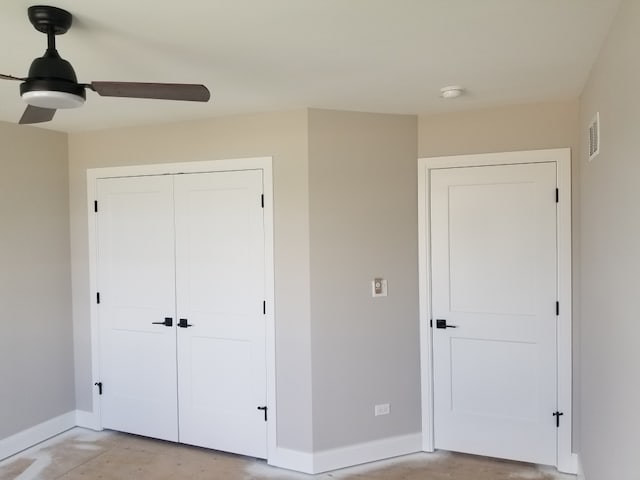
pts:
pixel 557 195
pixel 97 297
pixel 262 200
pixel 557 415
pixel 557 308
pixel 99 385
pixel 264 307
pixel 264 408
pixel 95 206
pixel 431 323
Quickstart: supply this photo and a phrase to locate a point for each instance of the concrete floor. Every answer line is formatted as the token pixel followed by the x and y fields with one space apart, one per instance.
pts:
pixel 83 454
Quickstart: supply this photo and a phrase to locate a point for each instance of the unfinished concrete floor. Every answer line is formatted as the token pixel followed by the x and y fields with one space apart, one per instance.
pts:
pixel 83 454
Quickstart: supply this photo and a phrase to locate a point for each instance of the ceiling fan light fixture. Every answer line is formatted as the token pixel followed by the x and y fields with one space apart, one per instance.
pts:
pixel 52 93
pixel 52 99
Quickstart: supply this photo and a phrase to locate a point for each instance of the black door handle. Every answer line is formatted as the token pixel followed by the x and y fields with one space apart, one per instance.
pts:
pixel 441 323
pixel 183 323
pixel 168 322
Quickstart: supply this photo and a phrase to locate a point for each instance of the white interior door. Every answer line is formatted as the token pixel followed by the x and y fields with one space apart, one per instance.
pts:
pixel 220 277
pixel 136 286
pixel 493 260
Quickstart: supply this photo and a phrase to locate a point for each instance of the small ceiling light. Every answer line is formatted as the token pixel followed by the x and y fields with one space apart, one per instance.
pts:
pixel 453 91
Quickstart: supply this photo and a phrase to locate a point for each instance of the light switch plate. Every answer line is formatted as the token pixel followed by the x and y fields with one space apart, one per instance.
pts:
pixel 378 287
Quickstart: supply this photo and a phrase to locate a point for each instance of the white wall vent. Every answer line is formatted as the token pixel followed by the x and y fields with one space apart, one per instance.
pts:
pixel 594 137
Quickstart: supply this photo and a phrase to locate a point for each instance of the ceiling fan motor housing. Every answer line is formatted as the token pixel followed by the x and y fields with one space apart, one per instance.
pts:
pixel 52 84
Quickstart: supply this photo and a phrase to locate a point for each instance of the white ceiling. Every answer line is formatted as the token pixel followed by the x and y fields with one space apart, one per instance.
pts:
pixel 263 55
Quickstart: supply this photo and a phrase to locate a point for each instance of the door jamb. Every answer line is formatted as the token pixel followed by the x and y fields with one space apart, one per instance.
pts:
pixel 566 460
pixel 258 163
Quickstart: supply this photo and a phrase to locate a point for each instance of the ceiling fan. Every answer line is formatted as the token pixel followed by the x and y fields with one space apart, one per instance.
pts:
pixel 52 82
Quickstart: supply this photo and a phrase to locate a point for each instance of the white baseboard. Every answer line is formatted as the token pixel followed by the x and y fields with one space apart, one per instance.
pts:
pixel 366 452
pixel 36 434
pixel 349 456
pixel 88 420
pixel 291 460
pixel 568 464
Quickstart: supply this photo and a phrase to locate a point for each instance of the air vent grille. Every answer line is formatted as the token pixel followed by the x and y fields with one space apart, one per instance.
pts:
pixel 594 137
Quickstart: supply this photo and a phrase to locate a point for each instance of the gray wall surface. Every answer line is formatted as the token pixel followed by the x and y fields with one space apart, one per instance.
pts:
pixel 36 343
pixel 281 135
pixel 363 224
pixel 610 232
pixel 345 212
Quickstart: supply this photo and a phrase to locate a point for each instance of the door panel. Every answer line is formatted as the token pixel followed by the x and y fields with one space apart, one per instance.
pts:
pixel 492 216
pixel 220 290
pixel 136 284
pixel 480 368
pixel 494 279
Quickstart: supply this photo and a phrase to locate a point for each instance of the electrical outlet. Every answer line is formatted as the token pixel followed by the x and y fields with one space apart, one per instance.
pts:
pixel 382 409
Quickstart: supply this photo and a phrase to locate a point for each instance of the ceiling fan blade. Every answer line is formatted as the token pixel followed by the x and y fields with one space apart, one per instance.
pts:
pixel 11 77
pixel 160 91
pixel 36 115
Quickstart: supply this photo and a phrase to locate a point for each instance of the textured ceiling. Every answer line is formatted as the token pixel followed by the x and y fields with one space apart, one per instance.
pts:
pixel 262 55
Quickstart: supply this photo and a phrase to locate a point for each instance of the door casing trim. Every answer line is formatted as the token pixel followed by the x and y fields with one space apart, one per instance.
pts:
pixel 566 460
pixel 258 163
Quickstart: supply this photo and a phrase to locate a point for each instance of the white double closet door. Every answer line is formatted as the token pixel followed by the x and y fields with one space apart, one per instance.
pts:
pixel 181 287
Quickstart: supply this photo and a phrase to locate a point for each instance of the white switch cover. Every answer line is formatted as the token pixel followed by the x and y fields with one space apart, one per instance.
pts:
pixel 382 409
pixel 378 287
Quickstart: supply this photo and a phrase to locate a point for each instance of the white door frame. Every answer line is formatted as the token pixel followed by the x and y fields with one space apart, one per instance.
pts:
pixel 258 163
pixel 566 460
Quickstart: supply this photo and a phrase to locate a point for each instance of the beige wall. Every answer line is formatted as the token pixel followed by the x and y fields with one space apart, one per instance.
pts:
pixel 363 224
pixel 610 232
pixel 281 135
pixel 518 127
pixel 345 211
pixel 36 348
